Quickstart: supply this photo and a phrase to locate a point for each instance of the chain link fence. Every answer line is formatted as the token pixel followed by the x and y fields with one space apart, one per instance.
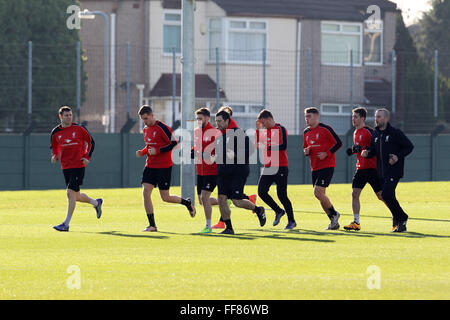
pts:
pixel 38 79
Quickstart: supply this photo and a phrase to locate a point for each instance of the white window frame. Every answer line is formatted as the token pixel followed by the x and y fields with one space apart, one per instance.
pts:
pixel 340 32
pixel 342 113
pixel 225 35
pixel 170 23
pixel 379 30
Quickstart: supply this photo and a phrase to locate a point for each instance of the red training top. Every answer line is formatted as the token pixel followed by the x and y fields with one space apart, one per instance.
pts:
pixel 273 143
pixel 322 138
pixel 204 148
pixel 160 137
pixel 71 144
pixel 363 138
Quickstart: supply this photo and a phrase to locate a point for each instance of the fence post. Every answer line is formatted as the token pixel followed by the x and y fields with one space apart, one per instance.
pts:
pixel 128 80
pixel 351 79
pixel 436 77
pixel 217 80
pixel 309 94
pixel 30 80
pixel 264 76
pixel 394 62
pixel 78 49
pixel 174 83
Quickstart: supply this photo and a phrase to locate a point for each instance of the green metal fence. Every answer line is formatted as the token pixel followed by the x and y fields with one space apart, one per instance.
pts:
pixel 25 162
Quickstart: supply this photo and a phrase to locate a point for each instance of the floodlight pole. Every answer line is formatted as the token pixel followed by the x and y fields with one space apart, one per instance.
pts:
pixel 187 174
pixel 86 13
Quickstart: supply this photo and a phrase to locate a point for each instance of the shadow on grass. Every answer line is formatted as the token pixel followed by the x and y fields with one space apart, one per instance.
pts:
pixel 119 234
pixel 378 217
pixel 249 236
pixel 357 233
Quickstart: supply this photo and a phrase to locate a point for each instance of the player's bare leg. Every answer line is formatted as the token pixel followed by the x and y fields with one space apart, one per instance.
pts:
pixel 147 189
pixel 333 215
pixel 356 207
pixel 71 204
pixel 205 199
pixel 167 197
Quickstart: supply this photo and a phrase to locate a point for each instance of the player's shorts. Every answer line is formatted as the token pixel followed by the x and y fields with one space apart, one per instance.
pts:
pixel 322 177
pixel 232 185
pixel 159 177
pixel 74 178
pixel 363 176
pixel 207 183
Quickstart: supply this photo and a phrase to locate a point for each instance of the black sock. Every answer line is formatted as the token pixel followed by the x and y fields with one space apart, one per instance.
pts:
pixel 185 202
pixel 151 219
pixel 228 224
pixel 332 212
pixel 221 220
pixel 257 210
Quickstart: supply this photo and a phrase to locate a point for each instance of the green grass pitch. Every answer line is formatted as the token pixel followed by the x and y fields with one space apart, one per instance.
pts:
pixel 111 258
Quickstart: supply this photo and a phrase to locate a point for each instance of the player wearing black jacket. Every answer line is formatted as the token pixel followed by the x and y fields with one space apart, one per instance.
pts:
pixel 391 146
pixel 232 155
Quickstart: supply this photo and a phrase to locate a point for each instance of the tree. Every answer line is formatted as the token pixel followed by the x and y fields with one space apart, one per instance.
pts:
pixel 433 35
pixel 54 62
pixel 414 84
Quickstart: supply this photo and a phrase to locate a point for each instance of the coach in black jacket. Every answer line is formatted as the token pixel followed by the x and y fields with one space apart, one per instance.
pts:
pixel 391 146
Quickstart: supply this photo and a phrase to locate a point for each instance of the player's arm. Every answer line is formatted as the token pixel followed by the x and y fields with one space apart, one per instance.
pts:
pixel 337 143
pixel 54 146
pixel 406 146
pixel 306 147
pixel 142 152
pixel 282 145
pixel 370 151
pixel 89 143
pixel 168 137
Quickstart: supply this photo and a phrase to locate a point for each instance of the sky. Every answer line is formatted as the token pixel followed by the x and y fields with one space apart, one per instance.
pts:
pixel 412 9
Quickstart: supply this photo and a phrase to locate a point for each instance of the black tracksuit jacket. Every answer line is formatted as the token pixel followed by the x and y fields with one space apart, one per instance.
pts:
pixel 386 142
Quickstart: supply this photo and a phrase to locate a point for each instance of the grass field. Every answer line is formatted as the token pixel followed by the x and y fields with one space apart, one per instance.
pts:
pixel 113 259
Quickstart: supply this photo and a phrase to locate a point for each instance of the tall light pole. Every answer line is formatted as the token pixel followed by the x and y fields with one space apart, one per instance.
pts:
pixel 187 98
pixel 86 14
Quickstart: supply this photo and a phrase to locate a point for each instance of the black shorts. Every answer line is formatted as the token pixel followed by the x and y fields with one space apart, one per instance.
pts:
pixel 268 177
pixel 74 178
pixel 232 185
pixel 363 176
pixel 207 183
pixel 159 177
pixel 322 177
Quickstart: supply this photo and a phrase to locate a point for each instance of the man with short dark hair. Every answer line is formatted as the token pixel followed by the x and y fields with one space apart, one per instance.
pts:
pixel 391 147
pixel 253 197
pixel 232 153
pixel 320 144
pixel 271 138
pixel 73 145
pixel 159 143
pixel 366 169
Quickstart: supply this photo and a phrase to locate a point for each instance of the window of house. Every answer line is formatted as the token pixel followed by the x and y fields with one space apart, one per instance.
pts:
pixel 339 116
pixel 238 40
pixel 373 43
pixel 245 114
pixel 172 31
pixel 341 42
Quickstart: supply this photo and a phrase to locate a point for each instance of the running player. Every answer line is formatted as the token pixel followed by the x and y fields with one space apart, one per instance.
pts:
pixel 253 197
pixel 232 153
pixel 272 141
pixel 320 144
pixel 73 145
pixel 366 169
pixel 204 137
pixel 159 142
